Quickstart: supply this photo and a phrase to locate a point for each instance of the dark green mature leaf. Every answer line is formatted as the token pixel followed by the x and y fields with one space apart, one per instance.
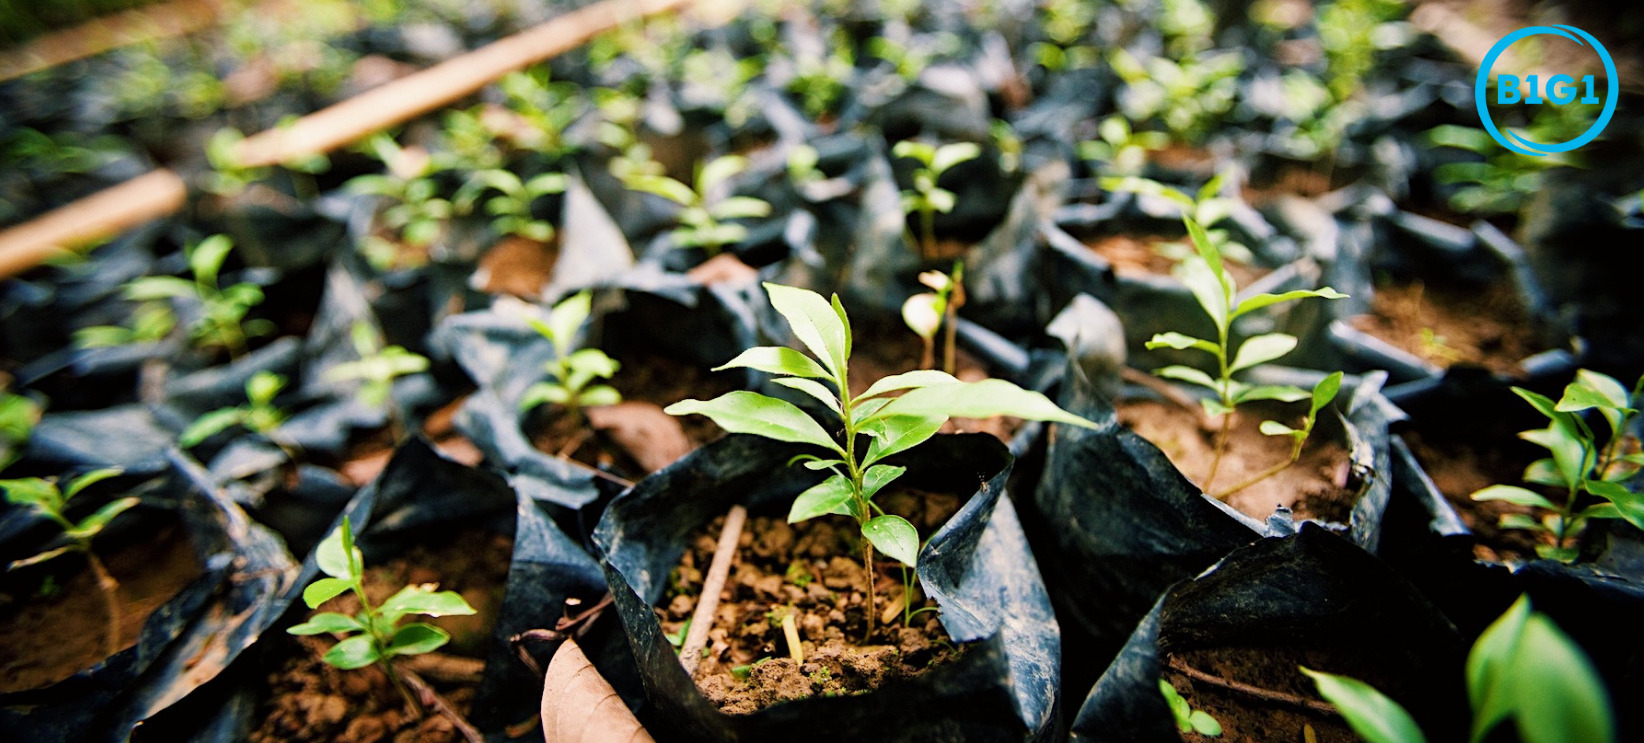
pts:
pixel 894 536
pixel 1513 494
pixel 354 652
pixel 908 380
pixel 325 589
pixel 1489 664
pixel 776 360
pixel 984 399
pixel 897 434
pixel 832 495
pixel 1372 715
pixel 750 412
pixel 327 622
pixel 423 599
pixel 1261 349
pixel 1251 304
pixel 815 323
pixel 417 638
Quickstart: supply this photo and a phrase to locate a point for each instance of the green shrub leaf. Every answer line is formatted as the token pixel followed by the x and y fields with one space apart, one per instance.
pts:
pixel 327 622
pixel 1372 715
pixel 417 638
pixel 894 536
pixel 750 412
pixel 777 360
pixel 832 495
pixel 354 652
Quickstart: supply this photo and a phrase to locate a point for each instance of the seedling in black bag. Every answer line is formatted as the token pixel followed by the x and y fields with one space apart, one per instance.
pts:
pixel 18 416
pixel 44 496
pixel 705 221
pixel 1523 667
pixel 376 369
pixel 1579 464
pixel 415 211
pixel 511 208
pixel 258 415
pixel 374 635
pixel 1189 720
pixel 1217 295
pixel 927 312
pixel 221 321
pixel 891 424
pixel 571 371
pixel 926 198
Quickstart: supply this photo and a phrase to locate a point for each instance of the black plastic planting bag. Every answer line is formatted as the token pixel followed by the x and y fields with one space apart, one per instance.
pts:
pixel 977 567
pixel 1312 590
pixel 1117 522
pixel 186 642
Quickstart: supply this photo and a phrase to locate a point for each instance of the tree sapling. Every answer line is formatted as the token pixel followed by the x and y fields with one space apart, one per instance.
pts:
pixel 926 198
pixel 705 220
pixel 571 371
pixel 258 415
pixel 221 319
pixel 376 370
pixel 927 312
pixel 511 208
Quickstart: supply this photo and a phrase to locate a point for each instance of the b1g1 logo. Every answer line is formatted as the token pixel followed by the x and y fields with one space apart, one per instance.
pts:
pixel 1558 90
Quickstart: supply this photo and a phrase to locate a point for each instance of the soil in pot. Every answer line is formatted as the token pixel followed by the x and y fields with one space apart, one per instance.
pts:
pixel 518 266
pixel 1138 255
pixel 1446 324
pixel 55 625
pixel 309 700
pixel 883 348
pixel 1318 486
pixel 813 570
pixel 1258 695
pixel 1461 467
pixel 369 453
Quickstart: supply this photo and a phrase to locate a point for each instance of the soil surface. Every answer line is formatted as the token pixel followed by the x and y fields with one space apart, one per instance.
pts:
pixel 1447 325
pixel 51 638
pixel 1461 468
pixel 1135 255
pixel 883 349
pixel 1317 486
pixel 1246 718
pixel 812 569
pixel 517 266
pixel 311 701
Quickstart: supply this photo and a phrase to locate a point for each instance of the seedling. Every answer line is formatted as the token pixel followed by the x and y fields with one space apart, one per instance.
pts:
pixel 221 319
pixel 928 312
pixel 1066 24
pixel 927 198
pixel 705 220
pixel 571 371
pixel 376 369
pixel 415 213
pixel 1189 720
pixel 44 496
pixel 548 108
pixel 18 416
pixel 1207 207
pixel 892 425
pixel 1579 464
pixel 259 415
pixel 722 79
pixel 1214 288
pixel 511 209
pixel 374 635
pixel 1523 667
pixel 820 81
pixel 1188 97
pixel 1503 181
pixel 1121 150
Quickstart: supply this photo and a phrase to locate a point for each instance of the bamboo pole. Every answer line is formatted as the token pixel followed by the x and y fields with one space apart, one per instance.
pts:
pixel 92 219
pixel 89 39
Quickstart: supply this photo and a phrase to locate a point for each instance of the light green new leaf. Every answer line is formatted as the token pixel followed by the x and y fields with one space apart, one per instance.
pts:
pixel 1325 391
pixel 777 360
pixel 91 525
pixel 417 638
pixel 354 652
pixel 566 318
pixel 832 495
pixel 544 393
pixel 1251 304
pixel 1187 374
pixel 1275 428
pixel 599 395
pixel 1489 662
pixel 1565 443
pixel 159 287
pixel 908 380
pixel 1513 494
pixel 1593 390
pixel 663 186
pixel 89 479
pixel 33 491
pixel 1282 393
pixel 332 553
pixel 877 477
pixel 209 425
pixel 324 590
pixel 206 259
pixel 900 433
pixel 984 399
pixel 750 412
pixel 814 389
pixel 1261 349
pixel 1540 402
pixel 1549 688
pixel 1202 723
pixel 894 536
pixel 1372 715
pixel 1180 341
pixel 741 207
pixel 422 599
pixel 1207 288
pixel 327 622
pixel 814 322
pixel 950 155
pixel 1212 257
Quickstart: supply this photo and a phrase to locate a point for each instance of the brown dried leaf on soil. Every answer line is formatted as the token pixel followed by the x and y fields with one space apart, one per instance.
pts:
pixel 579 705
pixel 653 438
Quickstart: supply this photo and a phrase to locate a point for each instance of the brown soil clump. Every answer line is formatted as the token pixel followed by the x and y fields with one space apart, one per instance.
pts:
pixel 1447 325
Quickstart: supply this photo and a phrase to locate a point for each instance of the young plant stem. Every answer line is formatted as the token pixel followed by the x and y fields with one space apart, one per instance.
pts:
pixel 702 618
pixel 1224 389
pixel 927 230
pixel 956 297
pixel 1221 447
pixel 863 510
pixel 109 587
pixel 867 560
pixel 928 360
pixel 1295 455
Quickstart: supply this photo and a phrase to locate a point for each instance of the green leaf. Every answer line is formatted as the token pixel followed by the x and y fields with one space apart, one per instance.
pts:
pixel 1372 715
pixel 984 399
pixel 663 186
pixel 832 495
pixel 1214 407
pixel 89 479
pixel 325 589
pixel 877 477
pixel 261 388
pixel 1629 505
pixel 916 150
pixel 1540 402
pixel 354 652
pixel 544 393
pixel 209 425
pixel 1275 428
pixel 91 525
pixel 777 360
pixel 900 433
pixel 1520 521
pixel 206 259
pixel 922 313
pixel 740 207
pixel 1179 341
pixel 159 287
pixel 1207 288
pixel 908 380
pixel 1207 250
pixel 1566 445
pixel 1261 349
pixel 1544 471
pixel 1203 724
pixel 1188 374
pixel 1513 494
pixel 33 491
pixel 814 389
pixel 1324 392
pixel 566 318
pixel 1179 708
pixel 417 638
pixel 1251 304
pixel 718 170
pixel 1593 390
pixel 894 536
pixel 814 322
pixel 750 412
pixel 327 622
pixel 1282 393
pixel 950 155
pixel 423 599
pixel 1490 660
pixel 599 395
pixel 332 554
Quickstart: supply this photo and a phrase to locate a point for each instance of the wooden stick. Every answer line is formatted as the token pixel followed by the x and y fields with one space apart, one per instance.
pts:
pixel 135 26
pixel 90 220
pixel 1266 695
pixel 440 85
pixel 431 699
pixel 702 619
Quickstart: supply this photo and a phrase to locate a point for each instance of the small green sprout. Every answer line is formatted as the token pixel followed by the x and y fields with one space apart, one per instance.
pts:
pixel 571 370
pixel 1121 150
pixel 1188 97
pixel 259 415
pixel 926 198
pixel 44 496
pixel 927 312
pixel 18 416
pixel 511 209
pixel 705 221
pixel 892 425
pixel 548 107
pixel 1579 463
pixel 677 639
pixel 798 574
pixel 1207 207
pixel 415 213
pixel 375 634
pixel 821 80
pixel 1207 278
pixel 1189 720
pixel 1065 24
pixel 1523 667
pixel 376 369
pixel 802 165
pixel 221 322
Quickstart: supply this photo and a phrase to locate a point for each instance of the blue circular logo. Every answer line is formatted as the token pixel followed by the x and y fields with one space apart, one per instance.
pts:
pixel 1513 141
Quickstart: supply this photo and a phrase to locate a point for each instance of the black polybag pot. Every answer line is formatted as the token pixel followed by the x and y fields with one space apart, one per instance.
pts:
pixel 186 642
pixel 1310 590
pixel 977 567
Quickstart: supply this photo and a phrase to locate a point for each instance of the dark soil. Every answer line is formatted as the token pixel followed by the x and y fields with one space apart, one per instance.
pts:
pixel 1447 325
pixel 52 638
pixel 1137 255
pixel 883 349
pixel 1317 486
pixel 311 701
pixel 1244 717
pixel 814 570
pixel 1460 468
